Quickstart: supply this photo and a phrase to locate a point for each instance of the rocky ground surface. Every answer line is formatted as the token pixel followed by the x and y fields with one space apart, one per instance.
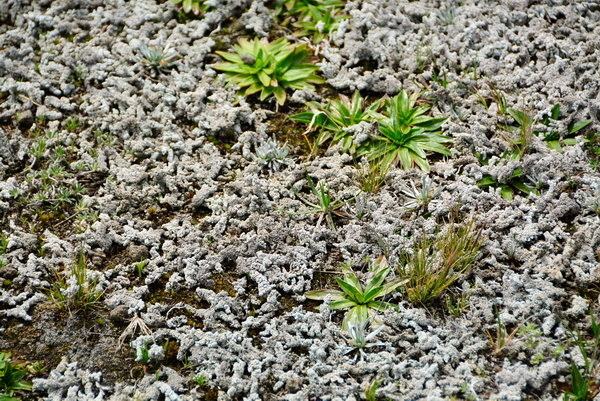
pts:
pixel 149 181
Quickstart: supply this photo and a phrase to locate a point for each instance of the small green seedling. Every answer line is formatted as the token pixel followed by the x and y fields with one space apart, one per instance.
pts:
pixel 272 155
pixel 359 339
pixel 200 380
pixel 592 141
pixel 553 138
pixel 3 243
pixel 86 294
pixel 371 175
pixel 520 145
pixel 447 15
pixel 140 267
pixel 458 305
pixel 371 389
pixel 434 264
pixel 503 338
pixel 269 68
pixel 416 198
pixel 72 124
pixel 318 24
pixel 508 189
pixel 531 334
pixel 157 58
pixel 326 206
pixel 360 300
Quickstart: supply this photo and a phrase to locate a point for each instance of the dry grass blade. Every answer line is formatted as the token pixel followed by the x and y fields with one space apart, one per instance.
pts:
pixel 137 323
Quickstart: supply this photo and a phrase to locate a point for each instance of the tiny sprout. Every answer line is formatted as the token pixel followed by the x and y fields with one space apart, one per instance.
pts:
pixel 200 380
pixel 447 15
pixel 157 58
pixel 415 198
pixel 359 339
pixel 271 155
pixel 72 124
pixel 140 267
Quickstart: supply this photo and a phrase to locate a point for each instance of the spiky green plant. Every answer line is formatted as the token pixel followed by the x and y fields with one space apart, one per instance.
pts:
pixel 272 155
pixel 325 206
pixel 406 134
pixel 432 265
pixel 333 117
pixel 269 68
pixel 79 291
pixel 361 300
pixel 157 58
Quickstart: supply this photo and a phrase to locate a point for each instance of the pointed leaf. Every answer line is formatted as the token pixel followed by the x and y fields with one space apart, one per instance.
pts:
pixel 555 112
pixel 421 162
pixel 320 295
pixel 342 304
pixel 359 313
pixel 372 294
pixel 555 145
pixel 353 280
pixel 264 78
pixel 506 192
pixel 391 286
pixel 351 291
pixel 433 124
pixel 521 186
pixel 378 278
pixel 405 158
pixel 382 306
pixel 280 95
pixel 486 181
pixel 578 126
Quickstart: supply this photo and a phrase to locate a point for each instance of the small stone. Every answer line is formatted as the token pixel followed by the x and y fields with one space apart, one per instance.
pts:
pixel 8 272
pixel 120 314
pixel 25 119
pixel 137 253
pixel 293 385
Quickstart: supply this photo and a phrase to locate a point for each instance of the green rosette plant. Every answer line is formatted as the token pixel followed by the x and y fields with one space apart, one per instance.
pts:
pixel 406 133
pixel 336 115
pixel 318 24
pixel 360 300
pixel 269 68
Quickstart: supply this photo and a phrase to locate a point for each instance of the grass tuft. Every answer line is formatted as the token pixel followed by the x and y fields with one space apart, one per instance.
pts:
pixel 434 264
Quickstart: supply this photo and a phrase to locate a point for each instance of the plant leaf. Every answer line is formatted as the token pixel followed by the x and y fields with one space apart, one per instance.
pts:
pixel 555 112
pixel 578 126
pixel 342 304
pixel 354 293
pixel 506 192
pixel 378 278
pixel 555 145
pixel 320 295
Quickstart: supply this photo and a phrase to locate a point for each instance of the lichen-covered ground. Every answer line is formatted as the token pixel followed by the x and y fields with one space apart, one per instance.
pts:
pixel 100 156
